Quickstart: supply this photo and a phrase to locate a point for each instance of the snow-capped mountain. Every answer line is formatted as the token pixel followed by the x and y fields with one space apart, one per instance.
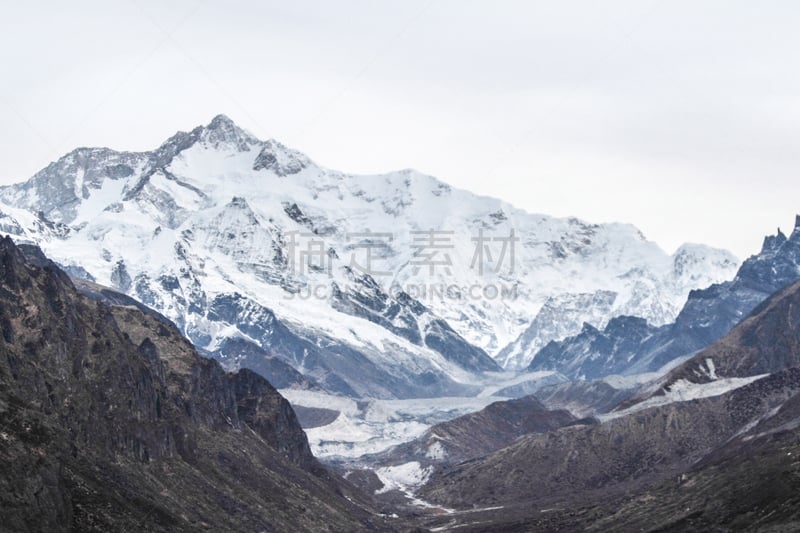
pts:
pixel 562 315
pixel 383 285
pixel 629 345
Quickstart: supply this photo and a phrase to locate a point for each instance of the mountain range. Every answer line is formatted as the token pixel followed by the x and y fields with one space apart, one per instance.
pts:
pixel 386 286
pixel 153 301
pixel 631 345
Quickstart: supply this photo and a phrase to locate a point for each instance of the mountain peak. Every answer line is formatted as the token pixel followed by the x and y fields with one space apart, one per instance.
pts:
pixel 223 130
pixel 221 121
pixel 794 236
pixel 773 242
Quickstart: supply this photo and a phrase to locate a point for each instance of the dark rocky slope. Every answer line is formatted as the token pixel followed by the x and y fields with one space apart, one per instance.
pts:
pixel 478 434
pixel 570 478
pixel 586 398
pixel 109 420
pixel 750 484
pixel 578 475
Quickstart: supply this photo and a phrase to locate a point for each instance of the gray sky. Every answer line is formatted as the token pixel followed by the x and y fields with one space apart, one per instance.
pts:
pixel 682 118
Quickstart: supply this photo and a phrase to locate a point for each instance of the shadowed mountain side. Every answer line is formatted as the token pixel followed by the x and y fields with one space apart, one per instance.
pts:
pixel 111 421
pixel 575 464
pixel 476 434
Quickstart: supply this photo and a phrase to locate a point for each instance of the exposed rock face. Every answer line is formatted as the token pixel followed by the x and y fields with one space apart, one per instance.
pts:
pixel 594 353
pixel 279 159
pixel 111 421
pixel 628 345
pixel 407 318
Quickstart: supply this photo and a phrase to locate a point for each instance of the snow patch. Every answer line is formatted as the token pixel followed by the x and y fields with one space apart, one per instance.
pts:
pixel 712 370
pixel 436 451
pixel 683 391
pixel 403 477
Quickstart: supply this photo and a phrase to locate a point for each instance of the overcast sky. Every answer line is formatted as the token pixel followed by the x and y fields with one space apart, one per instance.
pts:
pixel 682 118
